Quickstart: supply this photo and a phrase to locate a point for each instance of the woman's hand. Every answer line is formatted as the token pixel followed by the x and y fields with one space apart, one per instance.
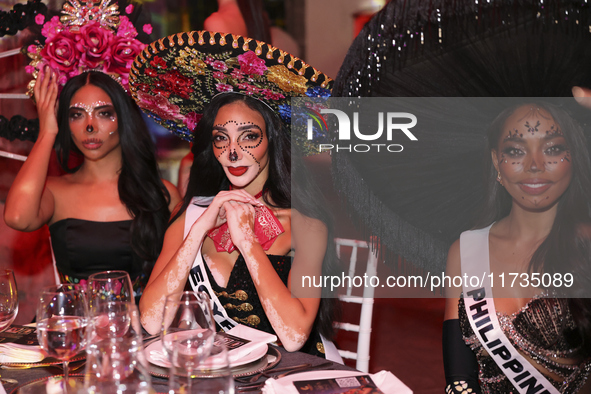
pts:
pixel 215 215
pixel 240 217
pixel 45 91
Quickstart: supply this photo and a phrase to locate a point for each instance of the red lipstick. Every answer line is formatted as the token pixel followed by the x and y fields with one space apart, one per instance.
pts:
pixel 237 171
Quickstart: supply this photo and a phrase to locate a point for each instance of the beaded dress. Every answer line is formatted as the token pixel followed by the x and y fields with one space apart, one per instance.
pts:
pixel 543 330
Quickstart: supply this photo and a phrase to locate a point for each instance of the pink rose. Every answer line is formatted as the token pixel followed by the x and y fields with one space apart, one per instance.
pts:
pixel 129 9
pixel 191 120
pixel 159 106
pixel 218 75
pixel 123 51
pixel 39 19
pixel 237 74
pixel 29 69
pixel 223 87
pixel 126 28
pixel 219 65
pixel 61 52
pixel 51 28
pixel 250 63
pixel 93 43
pixel 147 28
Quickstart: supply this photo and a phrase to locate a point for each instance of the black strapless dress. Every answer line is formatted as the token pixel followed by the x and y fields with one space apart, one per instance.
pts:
pixel 83 247
pixel 241 300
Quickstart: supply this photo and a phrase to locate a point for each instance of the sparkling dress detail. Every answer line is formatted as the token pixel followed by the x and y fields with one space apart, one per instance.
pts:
pixel 543 331
pixel 83 247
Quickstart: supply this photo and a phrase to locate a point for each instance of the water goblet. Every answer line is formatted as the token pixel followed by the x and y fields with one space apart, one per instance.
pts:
pixel 110 286
pixel 62 317
pixel 188 330
pixel 212 375
pixel 8 299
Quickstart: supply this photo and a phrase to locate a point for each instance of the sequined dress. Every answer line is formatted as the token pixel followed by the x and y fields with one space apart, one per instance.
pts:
pixel 83 247
pixel 542 331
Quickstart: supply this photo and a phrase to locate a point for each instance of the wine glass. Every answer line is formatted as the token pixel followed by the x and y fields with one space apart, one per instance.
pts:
pixel 212 375
pixel 110 286
pixel 62 316
pixel 8 299
pixel 117 365
pixel 188 330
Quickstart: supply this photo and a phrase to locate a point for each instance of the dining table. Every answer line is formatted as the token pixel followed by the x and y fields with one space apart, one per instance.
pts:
pixel 159 384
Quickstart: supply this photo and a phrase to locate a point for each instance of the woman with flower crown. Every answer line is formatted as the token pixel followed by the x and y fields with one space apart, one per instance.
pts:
pixel 241 234
pixel 110 209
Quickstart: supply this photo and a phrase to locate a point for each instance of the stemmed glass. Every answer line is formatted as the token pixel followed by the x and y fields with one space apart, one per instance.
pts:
pixel 8 299
pixel 110 286
pixel 62 316
pixel 188 330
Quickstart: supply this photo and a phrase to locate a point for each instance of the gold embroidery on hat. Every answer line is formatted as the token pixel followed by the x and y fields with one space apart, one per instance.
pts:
pixel 161 44
pixel 191 39
pixel 201 40
pixel 314 77
pixel 259 48
pixel 247 41
pixel 212 38
pixel 291 62
pixel 222 39
pixel 287 80
pixel 179 38
pixel 235 40
pixel 282 55
pixel 320 347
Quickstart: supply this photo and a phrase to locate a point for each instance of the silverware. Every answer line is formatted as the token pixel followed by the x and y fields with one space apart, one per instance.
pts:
pixel 256 377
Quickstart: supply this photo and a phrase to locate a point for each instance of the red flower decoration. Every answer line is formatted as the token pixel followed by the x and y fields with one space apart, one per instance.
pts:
pixel 94 44
pixel 158 62
pixel 124 50
pixel 251 64
pixel 61 52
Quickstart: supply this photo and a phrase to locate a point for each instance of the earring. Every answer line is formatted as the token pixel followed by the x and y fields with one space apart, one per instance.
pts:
pixel 89 128
pixel 499 179
pixel 233 156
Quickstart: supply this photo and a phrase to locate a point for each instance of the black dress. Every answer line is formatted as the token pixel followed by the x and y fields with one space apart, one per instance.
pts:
pixel 241 300
pixel 84 247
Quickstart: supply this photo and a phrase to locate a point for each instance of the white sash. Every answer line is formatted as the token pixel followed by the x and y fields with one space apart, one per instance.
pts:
pixel 197 276
pixel 482 315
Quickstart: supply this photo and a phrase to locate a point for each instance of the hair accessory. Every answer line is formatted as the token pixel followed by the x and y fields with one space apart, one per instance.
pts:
pixel 21 16
pixel 88 36
pixel 174 78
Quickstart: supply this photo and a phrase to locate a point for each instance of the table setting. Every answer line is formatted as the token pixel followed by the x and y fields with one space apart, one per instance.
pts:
pixel 89 339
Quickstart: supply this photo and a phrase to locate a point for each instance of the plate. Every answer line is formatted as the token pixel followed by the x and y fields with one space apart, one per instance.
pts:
pixel 76 381
pixel 155 355
pixel 269 360
pixel 46 362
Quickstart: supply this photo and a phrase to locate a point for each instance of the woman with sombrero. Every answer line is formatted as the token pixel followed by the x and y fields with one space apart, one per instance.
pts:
pixel 236 235
pixel 531 215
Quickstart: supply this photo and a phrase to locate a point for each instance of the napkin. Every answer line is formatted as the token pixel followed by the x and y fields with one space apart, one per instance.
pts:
pixel 15 353
pixel 385 381
pixel 258 339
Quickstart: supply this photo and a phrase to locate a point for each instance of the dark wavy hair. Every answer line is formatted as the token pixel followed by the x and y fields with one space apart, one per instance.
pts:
pixel 566 249
pixel 140 188
pixel 207 178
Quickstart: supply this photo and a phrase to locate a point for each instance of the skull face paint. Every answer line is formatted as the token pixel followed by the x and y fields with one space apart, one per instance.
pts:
pixel 533 158
pixel 240 144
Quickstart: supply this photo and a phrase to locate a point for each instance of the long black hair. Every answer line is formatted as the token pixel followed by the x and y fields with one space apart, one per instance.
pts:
pixel 207 178
pixel 140 188
pixel 567 248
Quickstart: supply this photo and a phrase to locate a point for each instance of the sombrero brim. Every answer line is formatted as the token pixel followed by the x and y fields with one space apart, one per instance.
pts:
pixel 174 79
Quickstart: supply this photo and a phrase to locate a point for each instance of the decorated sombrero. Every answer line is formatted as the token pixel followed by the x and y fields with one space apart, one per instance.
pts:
pixel 173 79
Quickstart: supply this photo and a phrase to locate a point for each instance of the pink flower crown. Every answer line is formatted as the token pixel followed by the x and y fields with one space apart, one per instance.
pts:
pixel 88 36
